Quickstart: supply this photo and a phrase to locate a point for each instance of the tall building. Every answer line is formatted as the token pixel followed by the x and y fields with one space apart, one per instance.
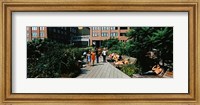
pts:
pixel 62 34
pixel 98 34
pixel 36 33
pixel 83 37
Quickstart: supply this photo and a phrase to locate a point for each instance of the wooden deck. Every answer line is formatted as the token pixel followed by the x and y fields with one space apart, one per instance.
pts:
pixel 102 70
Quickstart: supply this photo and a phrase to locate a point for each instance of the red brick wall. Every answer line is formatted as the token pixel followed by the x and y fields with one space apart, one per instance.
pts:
pixel 93 38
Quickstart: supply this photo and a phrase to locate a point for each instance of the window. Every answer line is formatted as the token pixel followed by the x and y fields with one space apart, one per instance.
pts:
pixel 72 29
pixel 104 28
pixel 122 34
pixel 41 28
pixel 113 34
pixel 34 34
pixel 93 28
pixel 34 28
pixel 27 33
pixel 112 28
pixel 95 34
pixel 41 34
pixel 107 28
pixel 104 34
pixel 123 28
pixel 54 30
pixel 59 31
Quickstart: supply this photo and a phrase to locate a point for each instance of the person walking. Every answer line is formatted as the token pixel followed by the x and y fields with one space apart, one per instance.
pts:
pixel 104 54
pixel 88 57
pixel 93 57
pixel 97 55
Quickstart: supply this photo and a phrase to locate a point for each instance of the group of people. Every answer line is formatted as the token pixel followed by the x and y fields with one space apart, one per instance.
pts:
pixel 93 55
pixel 118 59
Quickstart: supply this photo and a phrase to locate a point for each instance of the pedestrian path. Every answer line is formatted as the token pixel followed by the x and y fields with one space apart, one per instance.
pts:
pixel 102 70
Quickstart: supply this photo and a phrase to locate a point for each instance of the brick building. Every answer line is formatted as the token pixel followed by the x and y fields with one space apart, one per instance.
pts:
pixel 98 34
pixel 60 34
pixel 36 33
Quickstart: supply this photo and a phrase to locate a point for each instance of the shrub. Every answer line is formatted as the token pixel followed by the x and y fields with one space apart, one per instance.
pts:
pixel 58 60
pixel 130 69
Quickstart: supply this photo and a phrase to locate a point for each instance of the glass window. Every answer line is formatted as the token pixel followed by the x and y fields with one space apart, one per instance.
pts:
pixel 104 34
pixel 113 34
pixel 34 28
pixel 41 34
pixel 112 28
pixel 107 28
pixel 95 34
pixel 34 34
pixel 41 28
pixel 123 28
pixel 93 28
pixel 54 30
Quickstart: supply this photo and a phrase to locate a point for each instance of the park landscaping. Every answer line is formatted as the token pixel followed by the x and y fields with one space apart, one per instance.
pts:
pixel 141 41
pixel 50 59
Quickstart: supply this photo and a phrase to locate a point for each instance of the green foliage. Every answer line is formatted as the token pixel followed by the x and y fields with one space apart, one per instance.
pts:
pixel 144 39
pixel 48 59
pixel 130 69
pixel 110 43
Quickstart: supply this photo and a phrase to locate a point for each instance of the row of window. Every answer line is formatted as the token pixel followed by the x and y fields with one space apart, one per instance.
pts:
pixel 59 31
pixel 35 28
pixel 63 32
pixel 34 34
pixel 104 28
pixel 73 30
pixel 112 34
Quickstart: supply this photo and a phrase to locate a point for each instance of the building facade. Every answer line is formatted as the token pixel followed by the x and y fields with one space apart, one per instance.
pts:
pixel 62 34
pixel 98 34
pixel 36 33
pixel 83 37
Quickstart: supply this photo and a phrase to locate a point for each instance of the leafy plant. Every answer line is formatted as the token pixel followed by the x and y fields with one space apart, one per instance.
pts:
pixel 144 39
pixel 48 59
pixel 130 69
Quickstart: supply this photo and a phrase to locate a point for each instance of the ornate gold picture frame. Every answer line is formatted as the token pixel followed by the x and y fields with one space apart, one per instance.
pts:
pixel 9 6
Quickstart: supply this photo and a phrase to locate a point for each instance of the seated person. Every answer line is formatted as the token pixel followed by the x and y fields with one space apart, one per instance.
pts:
pixel 115 58
pixel 155 70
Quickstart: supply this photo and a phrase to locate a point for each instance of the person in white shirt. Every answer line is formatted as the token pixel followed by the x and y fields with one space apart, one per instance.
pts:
pixel 104 55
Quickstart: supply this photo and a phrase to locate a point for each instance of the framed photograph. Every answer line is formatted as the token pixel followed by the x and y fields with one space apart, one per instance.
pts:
pixel 110 52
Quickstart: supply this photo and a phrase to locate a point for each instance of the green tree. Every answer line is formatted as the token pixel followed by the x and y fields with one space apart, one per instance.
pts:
pixel 144 39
